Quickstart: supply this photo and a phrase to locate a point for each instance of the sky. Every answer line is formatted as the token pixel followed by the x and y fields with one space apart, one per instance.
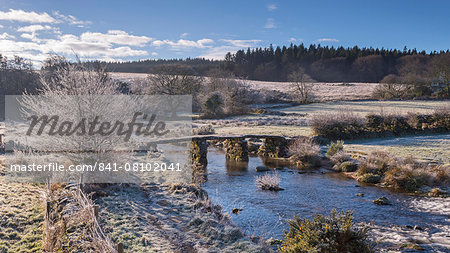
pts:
pixel 136 30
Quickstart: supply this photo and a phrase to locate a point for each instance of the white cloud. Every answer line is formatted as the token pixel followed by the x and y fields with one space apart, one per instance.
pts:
pixel 6 36
pixel 154 53
pixel 181 43
pixel 30 36
pixel 116 37
pixel 270 23
pixel 38 49
pixel 24 16
pixel 242 43
pixel 327 40
pixel 71 20
pixel 1 26
pixel 218 53
pixel 34 28
pixel 184 35
pixel 295 39
pixel 271 7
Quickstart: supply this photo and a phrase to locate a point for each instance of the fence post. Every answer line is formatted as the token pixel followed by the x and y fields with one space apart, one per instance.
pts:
pixel 120 247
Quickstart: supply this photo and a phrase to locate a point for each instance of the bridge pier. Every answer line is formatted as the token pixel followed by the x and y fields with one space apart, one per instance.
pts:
pixel 275 147
pixel 199 153
pixel 236 149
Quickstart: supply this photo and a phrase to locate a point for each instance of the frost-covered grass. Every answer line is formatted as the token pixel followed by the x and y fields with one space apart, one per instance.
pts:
pixel 21 217
pixel 429 148
pixel 365 107
pixel 295 120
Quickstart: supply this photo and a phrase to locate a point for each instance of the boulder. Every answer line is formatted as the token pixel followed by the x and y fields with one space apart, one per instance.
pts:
pixel 262 168
pixel 383 201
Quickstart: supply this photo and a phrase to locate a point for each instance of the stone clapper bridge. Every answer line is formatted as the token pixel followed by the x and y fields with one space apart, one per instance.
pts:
pixel 235 146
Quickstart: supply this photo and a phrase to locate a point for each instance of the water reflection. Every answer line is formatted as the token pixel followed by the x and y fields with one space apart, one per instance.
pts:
pixel 232 185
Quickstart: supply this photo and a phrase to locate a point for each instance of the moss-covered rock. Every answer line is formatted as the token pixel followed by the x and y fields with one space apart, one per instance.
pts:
pixel 236 149
pixel 369 178
pixel 382 201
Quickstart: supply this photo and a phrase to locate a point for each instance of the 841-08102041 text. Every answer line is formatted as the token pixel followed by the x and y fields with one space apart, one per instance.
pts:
pixel 98 166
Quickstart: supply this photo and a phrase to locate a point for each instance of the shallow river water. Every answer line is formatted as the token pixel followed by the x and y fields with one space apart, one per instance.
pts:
pixel 307 193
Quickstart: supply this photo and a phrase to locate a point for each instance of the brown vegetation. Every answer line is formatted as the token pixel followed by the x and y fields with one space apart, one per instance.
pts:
pixel 305 153
pixel 345 125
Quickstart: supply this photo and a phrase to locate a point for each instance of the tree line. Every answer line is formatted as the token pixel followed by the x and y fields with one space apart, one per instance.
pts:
pixel 321 63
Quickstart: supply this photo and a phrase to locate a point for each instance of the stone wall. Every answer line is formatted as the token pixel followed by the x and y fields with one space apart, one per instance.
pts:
pixel 236 149
pixel 275 147
pixel 199 153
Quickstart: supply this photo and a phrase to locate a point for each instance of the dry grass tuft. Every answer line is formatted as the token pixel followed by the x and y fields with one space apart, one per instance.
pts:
pixel 269 181
pixel 72 224
pixel 341 125
pixel 305 152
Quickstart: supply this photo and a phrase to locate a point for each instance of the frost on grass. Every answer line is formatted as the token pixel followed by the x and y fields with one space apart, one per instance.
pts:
pixel 22 215
pixel 269 181
pixel 168 218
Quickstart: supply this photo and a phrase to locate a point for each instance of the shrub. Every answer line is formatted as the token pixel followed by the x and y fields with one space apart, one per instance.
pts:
pixel 340 157
pixel 334 233
pixel 204 130
pixel 269 182
pixel 349 166
pixel 345 125
pixel 224 97
pixel 335 147
pixel 440 175
pixel 305 152
pixel 213 106
pixel 342 125
pixel 377 162
pixel 405 178
pixel 369 178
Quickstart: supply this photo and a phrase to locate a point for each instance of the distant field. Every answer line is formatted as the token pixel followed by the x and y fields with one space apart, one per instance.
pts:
pixel 430 148
pixel 366 107
pixel 297 118
pixel 322 91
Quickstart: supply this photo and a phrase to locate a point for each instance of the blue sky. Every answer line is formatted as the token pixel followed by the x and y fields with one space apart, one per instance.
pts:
pixel 131 30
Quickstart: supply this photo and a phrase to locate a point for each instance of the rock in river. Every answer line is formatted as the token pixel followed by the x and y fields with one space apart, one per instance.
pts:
pixel 262 168
pixel 382 201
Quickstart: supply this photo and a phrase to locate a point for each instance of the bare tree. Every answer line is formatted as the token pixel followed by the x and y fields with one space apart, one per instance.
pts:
pixel 392 86
pixel 169 84
pixel 301 86
pixel 441 70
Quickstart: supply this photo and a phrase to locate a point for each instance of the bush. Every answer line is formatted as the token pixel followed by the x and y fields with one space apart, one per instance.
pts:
pixel 334 233
pixel 369 178
pixel 377 162
pixel 349 166
pixel 343 125
pixel 340 157
pixel 269 182
pixel 334 148
pixel 204 130
pixel 221 97
pixel 213 106
pixel 440 175
pixel 305 152
pixel 405 178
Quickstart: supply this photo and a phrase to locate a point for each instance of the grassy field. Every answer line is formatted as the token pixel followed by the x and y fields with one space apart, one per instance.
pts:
pixel 429 148
pixel 322 91
pixel 296 119
pixel 366 107
pixel 21 217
